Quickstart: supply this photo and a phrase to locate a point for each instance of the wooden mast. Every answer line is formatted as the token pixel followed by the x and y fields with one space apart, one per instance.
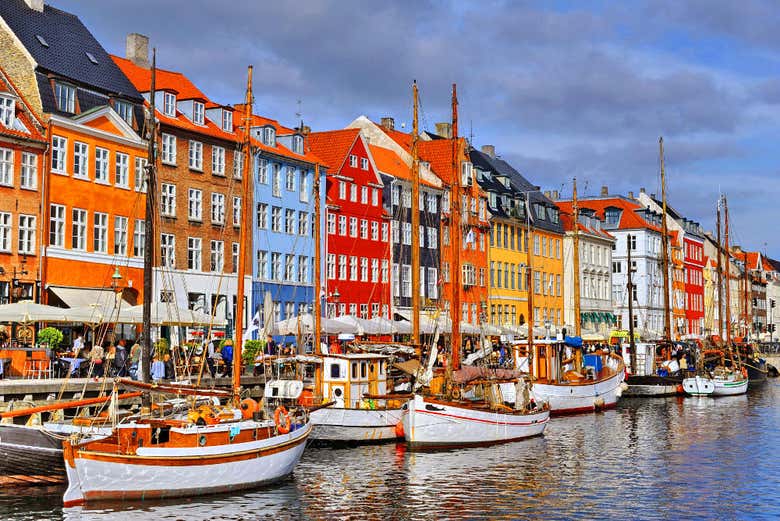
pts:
pixel 720 277
pixel 455 237
pixel 415 225
pixel 745 301
pixel 576 258
pixel 529 280
pixel 246 225
pixel 149 235
pixel 317 258
pixel 665 251
pixel 728 270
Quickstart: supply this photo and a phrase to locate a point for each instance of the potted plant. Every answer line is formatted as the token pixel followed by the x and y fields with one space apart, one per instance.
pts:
pixel 51 338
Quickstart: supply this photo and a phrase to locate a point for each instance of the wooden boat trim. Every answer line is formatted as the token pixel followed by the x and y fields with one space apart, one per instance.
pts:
pixel 490 422
pixel 174 389
pixel 66 405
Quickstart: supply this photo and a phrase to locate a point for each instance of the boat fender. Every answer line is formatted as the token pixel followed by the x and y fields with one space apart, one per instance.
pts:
pixel 598 403
pixel 248 407
pixel 744 372
pixel 399 430
pixel 282 420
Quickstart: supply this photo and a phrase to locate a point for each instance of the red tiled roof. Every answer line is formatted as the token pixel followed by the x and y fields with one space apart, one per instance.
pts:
pixel 629 219
pixel 333 146
pixel 402 138
pixel 389 163
pixel 567 221
pixel 439 154
pixel 24 114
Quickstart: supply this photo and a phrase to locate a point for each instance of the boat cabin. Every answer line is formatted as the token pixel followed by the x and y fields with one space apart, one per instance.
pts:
pixel 347 377
pixel 554 362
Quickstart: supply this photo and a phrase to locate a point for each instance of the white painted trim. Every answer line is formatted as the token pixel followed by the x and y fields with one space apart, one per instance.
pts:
pixel 76 126
pixel 97 258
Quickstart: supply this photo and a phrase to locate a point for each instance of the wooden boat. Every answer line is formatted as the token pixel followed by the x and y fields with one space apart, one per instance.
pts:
pixel 723 382
pixel 650 380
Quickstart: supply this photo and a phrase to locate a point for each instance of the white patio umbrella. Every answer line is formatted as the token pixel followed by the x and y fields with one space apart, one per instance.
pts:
pixel 381 326
pixel 102 314
pixel 27 311
pixel 290 325
pixel 163 313
pixel 352 323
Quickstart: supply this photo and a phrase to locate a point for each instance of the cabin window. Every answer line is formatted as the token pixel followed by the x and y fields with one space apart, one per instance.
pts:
pixel 161 435
pixel 371 368
pixel 354 370
pixel 335 371
pixel 381 367
pixel 363 369
pixel 542 353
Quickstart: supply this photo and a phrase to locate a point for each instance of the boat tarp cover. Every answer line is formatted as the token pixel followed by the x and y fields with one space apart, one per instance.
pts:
pixel 469 373
pixel 573 341
pixel 409 367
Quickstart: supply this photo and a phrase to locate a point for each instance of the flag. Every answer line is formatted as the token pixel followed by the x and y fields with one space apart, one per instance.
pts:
pixel 254 326
pixel 470 238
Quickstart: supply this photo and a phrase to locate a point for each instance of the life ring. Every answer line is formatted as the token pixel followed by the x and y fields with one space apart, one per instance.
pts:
pixel 248 407
pixel 455 393
pixel 282 420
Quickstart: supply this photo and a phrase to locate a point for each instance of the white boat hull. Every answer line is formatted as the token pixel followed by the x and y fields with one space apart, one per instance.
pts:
pixel 434 424
pixel 181 471
pixel 355 425
pixel 698 386
pixel 701 386
pixel 580 397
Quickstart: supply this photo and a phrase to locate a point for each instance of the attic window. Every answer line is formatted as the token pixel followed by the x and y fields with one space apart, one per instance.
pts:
pixel 66 97
pixel 197 112
pixel 269 136
pixel 7 111
pixel 91 57
pixel 227 121
pixel 42 41
pixel 297 144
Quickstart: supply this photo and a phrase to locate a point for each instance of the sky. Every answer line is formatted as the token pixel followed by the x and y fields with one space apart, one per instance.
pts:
pixel 562 89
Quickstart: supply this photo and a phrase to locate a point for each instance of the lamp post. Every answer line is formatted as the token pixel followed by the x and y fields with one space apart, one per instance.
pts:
pixel 116 279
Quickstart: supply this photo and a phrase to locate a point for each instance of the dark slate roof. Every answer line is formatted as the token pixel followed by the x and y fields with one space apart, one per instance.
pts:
pixel 69 41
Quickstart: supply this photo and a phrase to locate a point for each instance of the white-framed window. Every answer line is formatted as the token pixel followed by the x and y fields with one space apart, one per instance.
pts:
pixel 276 266
pixel 57 225
pixel 121 169
pixel 297 144
pixel 342 267
pixel 262 264
pixel 227 120
pixel 407 233
pixel 353 160
pixel 433 283
pixel 236 211
pixel 363 195
pixel 374 270
pixel 100 232
pixel 6 231
pixel 384 270
pixel 78 229
pixel 363 229
pixel 29 177
pixel 343 225
pixel 303 224
pixel 303 269
pixel 304 186
pixel 406 280
pixel 406 198
pixel 276 219
pixel 384 232
pixel 269 136
pixel 168 199
pixel 375 197
pixel 80 160
pixel 120 235
pixel 262 171
pixel 194 253
pixel 238 164
pixel 59 155
pixel 342 189
pixel 353 227
pixel 363 163
pixel 168 149
pixel 353 267
pixel 433 238
pixel 139 238
pixel 7 111
pixel 433 206
pixel 196 155
pixel 101 165
pixel 331 223
pixel 364 269
pixel 125 110
pixel 27 227
pixel 65 96
pixel 289 179
pixel 195 204
pixel 262 216
pixel 6 167
pixel 217 256
pixel 289 260
pixel 217 160
pixel 169 104
pixel 234 253
pixel 197 112
pixel 331 266
pixel 276 180
pixel 353 192
pixel 374 231
pixel 139 178
pixel 289 222
pixel 217 208
pixel 168 250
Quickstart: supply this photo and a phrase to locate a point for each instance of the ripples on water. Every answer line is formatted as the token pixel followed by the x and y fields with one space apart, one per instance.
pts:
pixel 675 458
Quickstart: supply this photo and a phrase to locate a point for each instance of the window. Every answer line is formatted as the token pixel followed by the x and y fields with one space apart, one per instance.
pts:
pixel 217 208
pixel 234 257
pixel 227 120
pixel 363 195
pixel 466 173
pixel 66 97
pixel 364 269
pixel 262 216
pixel 269 136
pixel 196 155
pixel 81 160
pixel 353 192
pixel 262 264
pixel 236 211
pixel 26 234
pixel 276 266
pixel 469 274
pixel 195 205
pixel 303 269
pixel 79 229
pixel 331 223
pixel 375 197
pixel 100 233
pixel 168 200
pixel 169 104
pixel 396 281
pixel 57 226
pixel 218 160
pixel 217 256
pixel 277 180
pixel 353 160
pixel 7 111
pixel 363 163
pixel 374 231
pixel 396 232
pixel 342 267
pixel 433 283
pixel 140 174
pixel 406 281
pixel 407 233
pixel 374 270
pixel 617 267
pixel 59 154
pixel 406 198
pixel 168 250
pixel 289 222
pixel 125 110
pixel 363 229
pixel 353 268
pixel 395 194
pixel 238 164
pixel 197 112
pixel 120 235
pixel 303 224
pixel 139 238
pixel 384 270
pixel 121 169
pixel 353 225
pixel 262 171
pixel 331 266
pixel 632 241
pixel 384 232
pixel 168 149
pixel 433 238
pixel 7 166
pixel 6 231
pixel 304 188
pixel 276 219
pixel 289 179
pixel 342 190
pixel 297 144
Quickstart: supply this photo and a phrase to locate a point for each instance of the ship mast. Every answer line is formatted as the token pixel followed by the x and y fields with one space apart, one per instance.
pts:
pixel 246 225
pixel 728 270
pixel 455 236
pixel 630 287
pixel 720 277
pixel 745 301
pixel 415 225
pixel 665 251
pixel 576 255
pixel 149 235
pixel 317 257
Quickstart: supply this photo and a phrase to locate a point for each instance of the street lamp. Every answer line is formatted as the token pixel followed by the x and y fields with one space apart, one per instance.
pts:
pixel 115 279
pixel 547 326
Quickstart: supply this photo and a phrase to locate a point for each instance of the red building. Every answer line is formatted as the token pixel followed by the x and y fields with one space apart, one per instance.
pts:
pixel 693 247
pixel 357 245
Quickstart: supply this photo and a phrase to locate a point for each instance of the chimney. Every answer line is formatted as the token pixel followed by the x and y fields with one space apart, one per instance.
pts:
pixel 36 5
pixel 137 49
pixel 444 130
pixel 489 150
pixel 604 190
pixel 631 195
pixel 642 190
pixel 388 123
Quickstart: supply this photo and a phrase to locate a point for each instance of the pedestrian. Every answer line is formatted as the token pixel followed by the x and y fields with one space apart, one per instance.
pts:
pixel 227 357
pixel 96 355
pixel 135 359
pixel 169 371
pixel 271 348
pixel 78 344
pixel 120 359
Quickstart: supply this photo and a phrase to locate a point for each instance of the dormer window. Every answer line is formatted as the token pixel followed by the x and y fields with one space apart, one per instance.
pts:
pixel 66 97
pixel 465 173
pixel 7 111
pixel 125 110
pixel 227 121
pixel 197 112
pixel 553 215
pixel 539 210
pixel 612 216
pixel 169 104
pixel 269 136
pixel 297 144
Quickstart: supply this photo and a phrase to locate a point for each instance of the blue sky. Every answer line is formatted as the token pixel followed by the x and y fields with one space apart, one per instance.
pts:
pixel 561 89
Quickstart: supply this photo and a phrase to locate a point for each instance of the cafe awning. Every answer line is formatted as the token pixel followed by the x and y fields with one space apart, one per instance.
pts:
pixel 82 297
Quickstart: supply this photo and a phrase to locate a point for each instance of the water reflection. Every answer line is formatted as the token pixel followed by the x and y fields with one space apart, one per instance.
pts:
pixel 675 458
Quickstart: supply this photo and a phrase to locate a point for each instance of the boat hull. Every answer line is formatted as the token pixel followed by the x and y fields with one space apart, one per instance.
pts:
pixel 355 425
pixel 730 387
pixel 757 372
pixel 698 386
pixel 652 385
pixel 434 424
pixel 181 472
pixel 701 386
pixel 574 398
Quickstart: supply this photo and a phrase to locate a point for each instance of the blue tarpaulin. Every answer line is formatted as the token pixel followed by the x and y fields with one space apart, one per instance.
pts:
pixel 573 341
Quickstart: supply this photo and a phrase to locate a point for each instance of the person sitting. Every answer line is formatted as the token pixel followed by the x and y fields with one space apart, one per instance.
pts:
pixel 158 369
pixel 96 355
pixel 227 357
pixel 120 359
pixel 169 371
pixel 271 348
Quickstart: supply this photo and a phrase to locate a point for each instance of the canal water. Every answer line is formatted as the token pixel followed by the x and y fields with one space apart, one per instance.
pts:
pixel 664 458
